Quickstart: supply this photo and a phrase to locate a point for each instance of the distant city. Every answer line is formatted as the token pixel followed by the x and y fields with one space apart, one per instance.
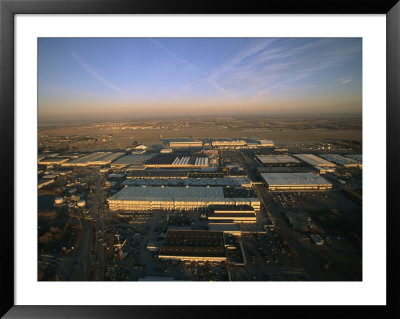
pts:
pixel 264 196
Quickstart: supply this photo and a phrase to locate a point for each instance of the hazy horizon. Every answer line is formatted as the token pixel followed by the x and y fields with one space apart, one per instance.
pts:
pixel 100 79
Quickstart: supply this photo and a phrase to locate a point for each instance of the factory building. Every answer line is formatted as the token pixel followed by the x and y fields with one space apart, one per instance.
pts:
pixel 194 246
pixel 233 217
pixel 314 160
pixel 53 161
pixel 44 181
pixel 342 160
pixel 295 181
pixel 170 181
pixel 186 144
pixel 357 157
pixel 166 151
pixel 174 198
pixel 266 143
pixel 324 170
pixel 131 159
pixel 277 159
pixel 228 144
pixel 97 158
pixel 177 161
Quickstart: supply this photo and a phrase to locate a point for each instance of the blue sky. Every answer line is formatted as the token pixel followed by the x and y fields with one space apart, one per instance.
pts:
pixel 149 77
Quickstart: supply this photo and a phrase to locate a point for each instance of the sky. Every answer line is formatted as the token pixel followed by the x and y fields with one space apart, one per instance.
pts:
pixel 134 78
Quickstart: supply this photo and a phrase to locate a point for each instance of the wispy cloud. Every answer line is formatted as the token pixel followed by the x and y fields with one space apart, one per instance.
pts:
pixel 170 53
pixel 345 80
pixel 96 75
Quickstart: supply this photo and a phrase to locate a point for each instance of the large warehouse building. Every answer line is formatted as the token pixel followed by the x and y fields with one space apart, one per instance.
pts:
pixel 314 160
pixel 295 181
pixel 277 159
pixel 174 198
pixel 193 245
pixel 97 158
pixel 186 144
pixel 342 160
pixel 177 161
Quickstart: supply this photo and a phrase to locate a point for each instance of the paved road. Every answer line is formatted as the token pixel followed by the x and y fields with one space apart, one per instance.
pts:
pixel 81 259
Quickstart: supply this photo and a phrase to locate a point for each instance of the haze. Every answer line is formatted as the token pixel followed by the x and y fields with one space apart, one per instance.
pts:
pixel 132 78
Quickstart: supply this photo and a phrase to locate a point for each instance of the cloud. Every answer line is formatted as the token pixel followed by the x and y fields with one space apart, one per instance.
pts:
pixel 97 76
pixel 169 52
pixel 344 80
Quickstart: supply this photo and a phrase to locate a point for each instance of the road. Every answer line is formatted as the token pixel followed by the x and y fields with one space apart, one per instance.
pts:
pixel 81 259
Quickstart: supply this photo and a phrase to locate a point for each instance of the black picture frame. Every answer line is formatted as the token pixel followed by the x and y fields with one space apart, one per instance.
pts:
pixel 8 8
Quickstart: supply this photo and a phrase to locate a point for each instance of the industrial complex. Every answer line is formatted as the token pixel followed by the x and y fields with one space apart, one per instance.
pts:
pixel 214 209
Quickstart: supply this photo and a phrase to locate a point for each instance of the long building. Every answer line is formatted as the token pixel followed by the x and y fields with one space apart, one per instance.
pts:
pixel 342 160
pixel 174 198
pixel 177 161
pixel 277 159
pixel 314 160
pixel 97 158
pixel 186 144
pixel 224 181
pixel 193 245
pixel 227 144
pixel 295 181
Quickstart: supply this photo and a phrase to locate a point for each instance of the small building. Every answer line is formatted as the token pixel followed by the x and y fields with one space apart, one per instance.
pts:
pixel 317 240
pixel 166 150
pixel 81 203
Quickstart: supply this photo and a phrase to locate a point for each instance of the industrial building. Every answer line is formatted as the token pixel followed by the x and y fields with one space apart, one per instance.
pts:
pixel 175 198
pixel 342 160
pixel 131 159
pixel 97 158
pixel 177 161
pixel 228 144
pixel 234 217
pixel 266 143
pixel 186 144
pixel 277 159
pixel 314 160
pixel 53 161
pixel 194 246
pixel 44 181
pixel 295 181
pixel 166 151
pixel 324 170
pixel 357 157
pixel 169 181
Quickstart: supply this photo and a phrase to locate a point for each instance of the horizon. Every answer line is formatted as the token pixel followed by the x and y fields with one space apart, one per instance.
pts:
pixel 114 79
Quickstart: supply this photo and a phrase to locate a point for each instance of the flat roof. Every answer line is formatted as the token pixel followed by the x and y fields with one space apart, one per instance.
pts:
pixel 283 179
pixel 314 160
pixel 133 159
pixel 340 159
pixel 193 243
pixel 169 193
pixel 277 159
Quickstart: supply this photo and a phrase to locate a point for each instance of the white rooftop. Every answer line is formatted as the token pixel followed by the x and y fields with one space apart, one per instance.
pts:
pixel 282 179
